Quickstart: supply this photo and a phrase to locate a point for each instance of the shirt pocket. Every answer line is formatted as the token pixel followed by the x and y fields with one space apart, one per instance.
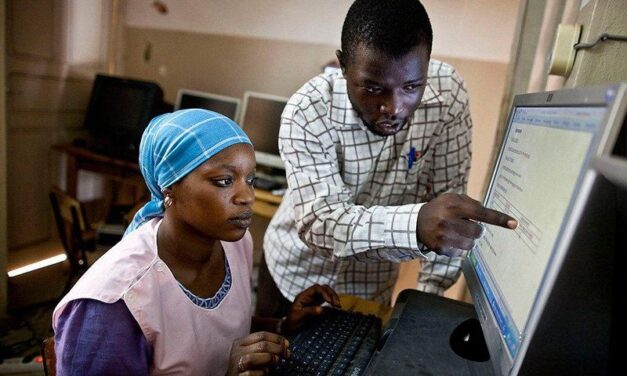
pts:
pixel 407 183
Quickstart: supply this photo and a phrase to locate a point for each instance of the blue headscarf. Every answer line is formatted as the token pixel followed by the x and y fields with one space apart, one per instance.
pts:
pixel 173 145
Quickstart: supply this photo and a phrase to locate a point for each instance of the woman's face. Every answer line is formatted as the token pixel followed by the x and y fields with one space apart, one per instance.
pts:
pixel 215 200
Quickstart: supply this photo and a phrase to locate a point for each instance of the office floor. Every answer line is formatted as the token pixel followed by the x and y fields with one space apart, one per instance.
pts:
pixel 31 300
pixel 21 335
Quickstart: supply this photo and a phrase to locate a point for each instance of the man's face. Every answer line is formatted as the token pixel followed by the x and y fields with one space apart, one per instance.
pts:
pixel 385 91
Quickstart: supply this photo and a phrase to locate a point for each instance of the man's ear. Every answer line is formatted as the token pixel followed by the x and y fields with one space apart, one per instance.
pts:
pixel 341 58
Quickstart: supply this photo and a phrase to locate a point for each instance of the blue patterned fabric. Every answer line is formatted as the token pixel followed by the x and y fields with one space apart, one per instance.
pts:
pixel 173 145
pixel 214 301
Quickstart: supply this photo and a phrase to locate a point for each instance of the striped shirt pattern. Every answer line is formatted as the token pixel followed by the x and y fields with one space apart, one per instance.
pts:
pixel 350 211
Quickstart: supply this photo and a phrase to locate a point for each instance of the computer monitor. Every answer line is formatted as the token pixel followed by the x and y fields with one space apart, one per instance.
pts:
pixel 118 112
pixel 261 120
pixel 221 104
pixel 519 279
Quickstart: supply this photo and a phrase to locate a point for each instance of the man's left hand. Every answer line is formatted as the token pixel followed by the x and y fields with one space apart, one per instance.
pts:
pixel 306 304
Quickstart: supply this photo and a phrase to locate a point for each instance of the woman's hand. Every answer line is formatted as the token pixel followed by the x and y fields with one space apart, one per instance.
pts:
pixel 255 353
pixel 307 303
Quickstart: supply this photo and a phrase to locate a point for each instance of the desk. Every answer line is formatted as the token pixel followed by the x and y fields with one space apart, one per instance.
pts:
pixel 368 307
pixel 266 204
pixel 78 158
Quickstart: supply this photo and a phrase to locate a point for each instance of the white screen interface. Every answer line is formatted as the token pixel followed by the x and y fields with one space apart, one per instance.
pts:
pixel 537 173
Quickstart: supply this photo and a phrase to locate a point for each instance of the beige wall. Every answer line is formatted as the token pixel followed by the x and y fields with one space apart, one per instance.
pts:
pixel 607 61
pixel 221 64
pixel 486 83
pixel 462 28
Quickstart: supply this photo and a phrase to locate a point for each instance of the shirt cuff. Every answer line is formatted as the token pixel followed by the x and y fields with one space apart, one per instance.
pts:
pixel 400 226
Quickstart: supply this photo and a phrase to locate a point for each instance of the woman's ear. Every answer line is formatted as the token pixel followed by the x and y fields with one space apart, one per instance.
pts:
pixel 168 197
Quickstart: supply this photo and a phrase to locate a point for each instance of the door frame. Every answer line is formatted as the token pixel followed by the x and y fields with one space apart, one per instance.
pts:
pixel 3 165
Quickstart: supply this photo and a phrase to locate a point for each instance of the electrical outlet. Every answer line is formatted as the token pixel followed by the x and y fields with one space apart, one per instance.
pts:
pixel 563 54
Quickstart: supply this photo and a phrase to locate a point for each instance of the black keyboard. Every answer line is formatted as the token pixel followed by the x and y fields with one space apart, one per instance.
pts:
pixel 334 343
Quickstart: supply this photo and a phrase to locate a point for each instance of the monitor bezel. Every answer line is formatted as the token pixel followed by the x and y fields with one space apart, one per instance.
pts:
pixel 609 165
pixel 598 96
pixel 204 95
pixel 263 158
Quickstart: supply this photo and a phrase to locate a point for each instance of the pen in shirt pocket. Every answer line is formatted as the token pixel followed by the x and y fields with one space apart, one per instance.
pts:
pixel 412 156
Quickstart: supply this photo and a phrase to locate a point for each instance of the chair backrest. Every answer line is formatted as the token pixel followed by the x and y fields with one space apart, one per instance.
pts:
pixel 71 222
pixel 50 357
pixel 70 209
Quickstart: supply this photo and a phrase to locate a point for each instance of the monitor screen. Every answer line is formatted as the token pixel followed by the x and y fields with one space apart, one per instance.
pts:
pixel 119 110
pixel 221 104
pixel 261 120
pixel 541 166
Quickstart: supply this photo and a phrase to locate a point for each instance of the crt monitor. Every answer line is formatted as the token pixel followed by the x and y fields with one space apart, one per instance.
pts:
pixel 118 112
pixel 221 104
pixel 261 120
pixel 543 178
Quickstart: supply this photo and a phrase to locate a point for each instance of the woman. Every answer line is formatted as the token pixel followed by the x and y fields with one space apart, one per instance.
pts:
pixel 174 295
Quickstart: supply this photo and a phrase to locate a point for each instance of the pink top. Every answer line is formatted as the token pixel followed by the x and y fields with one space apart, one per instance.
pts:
pixel 186 339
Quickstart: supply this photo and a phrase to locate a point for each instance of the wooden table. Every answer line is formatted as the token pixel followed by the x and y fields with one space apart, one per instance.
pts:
pixel 78 158
pixel 266 203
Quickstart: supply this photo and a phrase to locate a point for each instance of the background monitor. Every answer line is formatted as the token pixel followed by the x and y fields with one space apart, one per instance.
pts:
pixel 261 120
pixel 118 112
pixel 543 179
pixel 221 104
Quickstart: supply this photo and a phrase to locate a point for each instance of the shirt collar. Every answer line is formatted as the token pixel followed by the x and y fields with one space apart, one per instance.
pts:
pixel 431 96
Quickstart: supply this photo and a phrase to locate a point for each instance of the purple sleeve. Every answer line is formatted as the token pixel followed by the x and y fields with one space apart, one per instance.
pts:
pixel 95 338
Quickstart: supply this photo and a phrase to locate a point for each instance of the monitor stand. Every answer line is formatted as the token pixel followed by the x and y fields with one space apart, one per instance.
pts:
pixel 431 335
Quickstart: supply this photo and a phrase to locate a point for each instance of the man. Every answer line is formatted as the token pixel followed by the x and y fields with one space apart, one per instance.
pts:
pixel 363 150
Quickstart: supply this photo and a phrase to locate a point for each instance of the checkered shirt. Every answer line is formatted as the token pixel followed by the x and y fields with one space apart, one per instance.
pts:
pixel 350 211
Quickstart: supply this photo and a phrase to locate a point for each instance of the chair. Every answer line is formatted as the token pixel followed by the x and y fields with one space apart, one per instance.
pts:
pixel 50 357
pixel 76 234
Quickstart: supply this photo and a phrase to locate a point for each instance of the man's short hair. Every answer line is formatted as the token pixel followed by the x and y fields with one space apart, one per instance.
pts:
pixel 391 26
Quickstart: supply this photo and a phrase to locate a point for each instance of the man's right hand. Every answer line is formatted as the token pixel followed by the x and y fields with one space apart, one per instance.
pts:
pixel 450 222
pixel 256 353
